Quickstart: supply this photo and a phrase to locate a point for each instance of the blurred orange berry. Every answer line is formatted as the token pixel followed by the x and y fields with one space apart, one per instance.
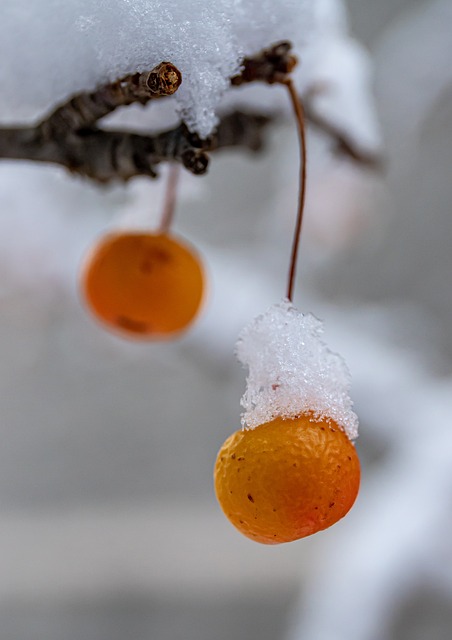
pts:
pixel 287 479
pixel 143 285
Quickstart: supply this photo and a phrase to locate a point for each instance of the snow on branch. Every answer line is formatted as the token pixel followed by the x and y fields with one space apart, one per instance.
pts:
pixel 69 136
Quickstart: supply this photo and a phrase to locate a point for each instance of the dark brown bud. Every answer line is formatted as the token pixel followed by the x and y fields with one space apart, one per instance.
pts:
pixel 164 79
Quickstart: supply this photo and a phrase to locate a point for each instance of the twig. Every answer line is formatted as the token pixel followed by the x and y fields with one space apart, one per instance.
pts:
pixel 343 144
pixel 270 65
pixel 239 129
pixel 85 109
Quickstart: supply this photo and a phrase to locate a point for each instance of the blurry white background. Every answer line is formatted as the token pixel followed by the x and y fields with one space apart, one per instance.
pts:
pixel 108 524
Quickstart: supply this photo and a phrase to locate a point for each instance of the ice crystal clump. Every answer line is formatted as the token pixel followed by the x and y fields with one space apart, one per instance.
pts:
pixel 292 371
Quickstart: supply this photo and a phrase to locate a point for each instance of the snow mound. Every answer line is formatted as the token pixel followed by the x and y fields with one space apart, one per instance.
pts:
pixel 51 49
pixel 292 371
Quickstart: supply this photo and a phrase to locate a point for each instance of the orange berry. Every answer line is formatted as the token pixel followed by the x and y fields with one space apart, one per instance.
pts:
pixel 287 479
pixel 143 285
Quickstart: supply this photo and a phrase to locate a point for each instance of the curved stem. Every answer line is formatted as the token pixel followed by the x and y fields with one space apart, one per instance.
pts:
pixel 299 115
pixel 169 203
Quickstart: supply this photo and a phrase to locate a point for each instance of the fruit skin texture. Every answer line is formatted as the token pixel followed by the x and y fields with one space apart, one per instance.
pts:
pixel 143 285
pixel 286 479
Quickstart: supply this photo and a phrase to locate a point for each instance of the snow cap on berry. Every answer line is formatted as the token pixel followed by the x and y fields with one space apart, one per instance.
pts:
pixel 292 371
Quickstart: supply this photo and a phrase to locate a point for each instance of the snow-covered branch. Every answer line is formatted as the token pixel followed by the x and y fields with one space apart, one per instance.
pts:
pixel 69 136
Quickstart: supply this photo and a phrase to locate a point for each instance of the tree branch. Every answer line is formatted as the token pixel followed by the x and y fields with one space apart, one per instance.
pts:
pixel 108 155
pixel 85 109
pixel 343 144
pixel 69 135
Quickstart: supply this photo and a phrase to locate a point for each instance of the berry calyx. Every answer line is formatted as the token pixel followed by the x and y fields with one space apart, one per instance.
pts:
pixel 143 285
pixel 287 479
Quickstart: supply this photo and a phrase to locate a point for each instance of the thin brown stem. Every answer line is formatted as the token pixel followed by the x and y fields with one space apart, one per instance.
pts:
pixel 169 204
pixel 299 115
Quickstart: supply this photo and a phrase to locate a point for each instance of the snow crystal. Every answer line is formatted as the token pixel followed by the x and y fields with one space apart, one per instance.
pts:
pixel 51 50
pixel 292 371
